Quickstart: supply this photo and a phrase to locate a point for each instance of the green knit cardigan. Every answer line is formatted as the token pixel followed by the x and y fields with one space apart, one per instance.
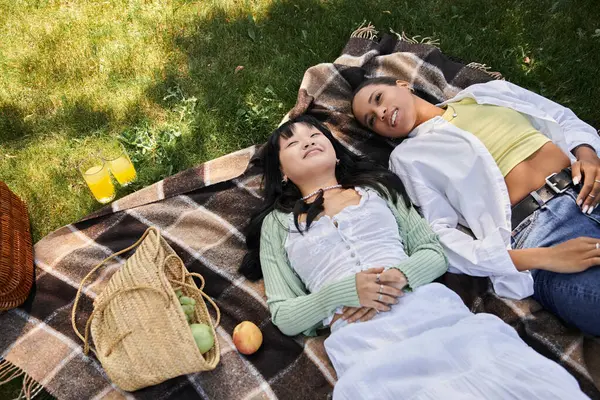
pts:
pixel 294 310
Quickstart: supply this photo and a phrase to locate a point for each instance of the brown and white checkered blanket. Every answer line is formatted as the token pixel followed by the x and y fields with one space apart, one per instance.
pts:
pixel 202 212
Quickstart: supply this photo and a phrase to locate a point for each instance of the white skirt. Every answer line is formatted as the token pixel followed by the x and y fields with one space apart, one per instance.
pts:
pixel 430 346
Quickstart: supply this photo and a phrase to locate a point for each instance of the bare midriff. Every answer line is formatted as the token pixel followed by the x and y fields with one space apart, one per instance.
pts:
pixel 530 174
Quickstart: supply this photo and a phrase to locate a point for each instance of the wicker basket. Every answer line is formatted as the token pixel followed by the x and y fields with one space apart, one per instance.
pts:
pixel 16 254
pixel 140 332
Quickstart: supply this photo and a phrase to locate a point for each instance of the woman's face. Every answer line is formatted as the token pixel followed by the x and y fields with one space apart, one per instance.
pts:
pixel 387 110
pixel 306 154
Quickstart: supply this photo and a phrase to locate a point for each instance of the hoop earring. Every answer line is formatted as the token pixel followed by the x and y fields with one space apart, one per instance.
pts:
pixel 337 161
pixel 412 89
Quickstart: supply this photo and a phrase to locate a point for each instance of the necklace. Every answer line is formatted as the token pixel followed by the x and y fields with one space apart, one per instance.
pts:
pixel 324 190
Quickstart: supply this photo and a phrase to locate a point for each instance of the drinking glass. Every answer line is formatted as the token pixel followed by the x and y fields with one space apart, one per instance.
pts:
pixel 95 173
pixel 120 164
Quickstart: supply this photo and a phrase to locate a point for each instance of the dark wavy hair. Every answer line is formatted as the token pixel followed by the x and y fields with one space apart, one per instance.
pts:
pixel 390 81
pixel 351 171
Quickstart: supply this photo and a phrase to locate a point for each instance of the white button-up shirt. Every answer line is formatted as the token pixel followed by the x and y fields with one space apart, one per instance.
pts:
pixel 359 237
pixel 453 178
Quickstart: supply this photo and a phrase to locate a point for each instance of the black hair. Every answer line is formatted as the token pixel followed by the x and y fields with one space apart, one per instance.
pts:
pixel 351 171
pixel 390 81
pixel 380 80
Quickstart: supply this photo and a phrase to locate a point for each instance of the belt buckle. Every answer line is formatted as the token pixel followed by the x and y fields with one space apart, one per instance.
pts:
pixel 553 185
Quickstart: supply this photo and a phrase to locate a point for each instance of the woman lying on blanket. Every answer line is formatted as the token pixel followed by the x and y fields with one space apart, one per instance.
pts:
pixel 329 224
pixel 493 147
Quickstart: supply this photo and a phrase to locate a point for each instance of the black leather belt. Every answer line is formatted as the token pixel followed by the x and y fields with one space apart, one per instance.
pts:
pixel 556 184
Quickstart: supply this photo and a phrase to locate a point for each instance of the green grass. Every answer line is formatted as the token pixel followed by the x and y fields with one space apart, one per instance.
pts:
pixel 75 75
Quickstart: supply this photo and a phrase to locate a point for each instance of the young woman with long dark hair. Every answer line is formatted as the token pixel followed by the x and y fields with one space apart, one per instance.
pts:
pixel 338 241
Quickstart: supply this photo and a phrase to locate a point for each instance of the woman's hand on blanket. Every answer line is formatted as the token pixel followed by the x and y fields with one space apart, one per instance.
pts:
pixel 587 167
pixel 362 314
pixel 375 295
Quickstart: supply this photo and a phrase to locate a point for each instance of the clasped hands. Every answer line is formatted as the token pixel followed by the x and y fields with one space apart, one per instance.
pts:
pixel 378 290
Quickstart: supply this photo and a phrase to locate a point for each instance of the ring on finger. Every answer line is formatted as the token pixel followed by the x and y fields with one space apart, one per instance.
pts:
pixel 380 297
pixel 596 180
pixel 377 278
pixel 380 288
pixel 597 245
pixel 592 196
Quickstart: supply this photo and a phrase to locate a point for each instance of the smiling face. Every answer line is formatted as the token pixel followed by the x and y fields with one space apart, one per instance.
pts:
pixel 388 110
pixel 307 153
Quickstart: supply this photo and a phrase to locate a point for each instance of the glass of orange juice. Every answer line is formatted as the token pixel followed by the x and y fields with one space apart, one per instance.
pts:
pixel 96 175
pixel 119 164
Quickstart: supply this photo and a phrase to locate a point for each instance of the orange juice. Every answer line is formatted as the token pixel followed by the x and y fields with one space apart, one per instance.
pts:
pixel 98 180
pixel 123 170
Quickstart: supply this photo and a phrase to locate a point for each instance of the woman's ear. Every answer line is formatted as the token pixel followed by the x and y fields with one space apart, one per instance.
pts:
pixel 285 178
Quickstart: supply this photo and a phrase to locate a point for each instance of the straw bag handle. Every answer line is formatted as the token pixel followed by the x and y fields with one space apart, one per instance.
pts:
pixel 78 295
pixel 184 274
pixel 100 307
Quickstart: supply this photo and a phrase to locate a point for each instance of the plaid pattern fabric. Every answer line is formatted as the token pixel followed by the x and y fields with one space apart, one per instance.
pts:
pixel 202 212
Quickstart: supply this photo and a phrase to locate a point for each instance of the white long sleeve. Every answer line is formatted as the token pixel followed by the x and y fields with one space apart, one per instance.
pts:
pixel 575 131
pixel 454 179
pixel 485 256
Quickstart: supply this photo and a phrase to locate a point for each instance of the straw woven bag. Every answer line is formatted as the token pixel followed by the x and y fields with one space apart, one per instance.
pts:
pixel 139 330
pixel 16 254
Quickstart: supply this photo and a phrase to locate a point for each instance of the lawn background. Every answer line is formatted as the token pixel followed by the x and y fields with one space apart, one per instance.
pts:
pixel 161 76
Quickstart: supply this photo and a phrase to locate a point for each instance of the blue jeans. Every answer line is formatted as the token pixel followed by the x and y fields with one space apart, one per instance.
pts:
pixel 575 298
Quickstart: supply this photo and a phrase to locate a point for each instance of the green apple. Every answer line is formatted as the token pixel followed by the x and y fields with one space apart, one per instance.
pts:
pixel 184 300
pixel 203 337
pixel 188 309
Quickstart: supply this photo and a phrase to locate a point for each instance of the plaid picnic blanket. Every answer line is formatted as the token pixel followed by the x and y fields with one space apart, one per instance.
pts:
pixel 202 212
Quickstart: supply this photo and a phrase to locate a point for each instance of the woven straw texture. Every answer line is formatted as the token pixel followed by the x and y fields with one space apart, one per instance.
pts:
pixel 140 332
pixel 16 253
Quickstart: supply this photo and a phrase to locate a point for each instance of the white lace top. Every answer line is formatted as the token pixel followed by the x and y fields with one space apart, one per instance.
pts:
pixel 359 237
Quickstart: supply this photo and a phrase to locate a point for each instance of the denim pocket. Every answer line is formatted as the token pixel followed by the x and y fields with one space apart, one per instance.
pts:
pixel 595 215
pixel 573 193
pixel 520 233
